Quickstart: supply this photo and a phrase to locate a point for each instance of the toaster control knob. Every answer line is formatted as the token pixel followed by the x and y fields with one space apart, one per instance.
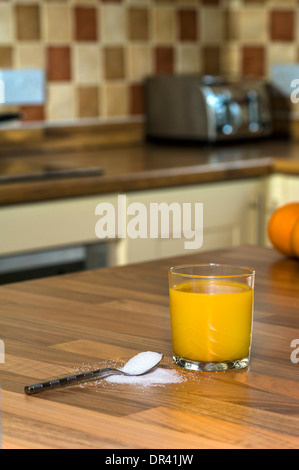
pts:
pixel 253 111
pixel 227 129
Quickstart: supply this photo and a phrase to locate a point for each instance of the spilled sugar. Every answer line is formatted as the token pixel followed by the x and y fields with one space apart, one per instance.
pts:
pixel 157 376
pixel 140 364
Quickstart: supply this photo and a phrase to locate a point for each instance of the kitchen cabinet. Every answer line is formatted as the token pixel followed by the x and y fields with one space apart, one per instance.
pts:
pixel 230 218
pixel 232 213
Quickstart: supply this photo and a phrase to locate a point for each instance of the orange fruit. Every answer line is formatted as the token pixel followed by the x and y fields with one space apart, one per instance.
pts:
pixel 295 239
pixel 280 227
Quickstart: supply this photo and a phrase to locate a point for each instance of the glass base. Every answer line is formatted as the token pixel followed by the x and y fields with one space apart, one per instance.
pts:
pixel 211 366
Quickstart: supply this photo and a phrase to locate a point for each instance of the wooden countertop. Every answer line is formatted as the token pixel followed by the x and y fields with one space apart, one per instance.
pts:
pixel 138 167
pixel 51 327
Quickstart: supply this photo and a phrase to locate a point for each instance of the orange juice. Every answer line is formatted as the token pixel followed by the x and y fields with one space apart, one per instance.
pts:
pixel 211 320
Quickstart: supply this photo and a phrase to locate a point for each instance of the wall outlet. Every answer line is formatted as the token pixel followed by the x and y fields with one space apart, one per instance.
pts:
pixel 22 87
pixel 283 76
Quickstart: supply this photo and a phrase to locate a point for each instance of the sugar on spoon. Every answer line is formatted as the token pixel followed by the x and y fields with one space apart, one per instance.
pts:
pixel 141 364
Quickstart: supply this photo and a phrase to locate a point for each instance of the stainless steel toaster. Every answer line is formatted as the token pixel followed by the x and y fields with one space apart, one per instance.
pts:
pixel 193 107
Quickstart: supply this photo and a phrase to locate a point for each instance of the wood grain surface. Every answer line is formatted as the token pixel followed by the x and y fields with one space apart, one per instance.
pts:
pixel 55 326
pixel 127 167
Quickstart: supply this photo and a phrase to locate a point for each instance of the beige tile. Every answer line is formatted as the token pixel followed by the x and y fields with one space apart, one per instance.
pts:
pixel 57 23
pixel 164 25
pixel 28 21
pixel 212 26
pixel 230 58
pixel 138 22
pixel 114 62
pixel 86 63
pixel 115 100
pixel 282 3
pixel 231 25
pixel 188 59
pixel 186 2
pixel 281 53
pixel 6 24
pixel 84 2
pixel 87 101
pixel 113 24
pixel 30 55
pixel 254 25
pixel 60 102
pixel 6 56
pixel 140 62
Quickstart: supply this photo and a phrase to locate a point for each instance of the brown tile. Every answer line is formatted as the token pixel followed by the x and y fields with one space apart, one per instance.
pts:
pixel 88 101
pixel 282 25
pixel 164 60
pixel 136 99
pixel 187 24
pixel 27 18
pixel 210 2
pixel 114 62
pixel 211 60
pixel 6 56
pixel 253 61
pixel 59 63
pixel 86 24
pixel 33 113
pixel 138 24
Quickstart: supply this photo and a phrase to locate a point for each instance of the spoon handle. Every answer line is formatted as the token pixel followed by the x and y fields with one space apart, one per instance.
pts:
pixel 69 380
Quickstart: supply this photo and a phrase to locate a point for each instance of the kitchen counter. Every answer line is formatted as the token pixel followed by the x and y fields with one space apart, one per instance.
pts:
pixel 31 177
pixel 52 327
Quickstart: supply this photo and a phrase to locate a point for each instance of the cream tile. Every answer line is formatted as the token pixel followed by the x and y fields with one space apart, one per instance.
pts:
pixel 115 100
pixel 113 24
pixel 60 102
pixel 140 63
pixel 6 24
pixel 212 25
pixel 188 59
pixel 254 25
pixel 164 25
pixel 57 23
pixel 86 63
pixel 30 56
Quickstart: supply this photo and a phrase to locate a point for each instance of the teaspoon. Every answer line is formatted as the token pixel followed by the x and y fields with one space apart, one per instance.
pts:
pixel 53 384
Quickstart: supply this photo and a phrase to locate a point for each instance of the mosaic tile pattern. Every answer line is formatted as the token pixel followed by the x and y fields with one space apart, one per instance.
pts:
pixel 96 53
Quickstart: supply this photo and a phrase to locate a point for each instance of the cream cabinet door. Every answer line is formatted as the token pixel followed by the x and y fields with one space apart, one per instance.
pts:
pixel 49 224
pixel 232 213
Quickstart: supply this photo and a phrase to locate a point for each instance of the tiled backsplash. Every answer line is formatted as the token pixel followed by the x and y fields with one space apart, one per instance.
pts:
pixel 96 53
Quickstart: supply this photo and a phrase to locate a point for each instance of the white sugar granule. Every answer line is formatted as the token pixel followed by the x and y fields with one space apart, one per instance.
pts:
pixel 156 377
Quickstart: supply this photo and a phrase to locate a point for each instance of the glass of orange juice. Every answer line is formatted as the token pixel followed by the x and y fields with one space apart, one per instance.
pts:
pixel 211 309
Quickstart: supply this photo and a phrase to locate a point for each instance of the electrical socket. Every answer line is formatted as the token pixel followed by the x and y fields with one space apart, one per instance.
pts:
pixel 22 87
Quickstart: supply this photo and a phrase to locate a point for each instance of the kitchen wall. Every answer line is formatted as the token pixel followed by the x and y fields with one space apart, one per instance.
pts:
pixel 96 53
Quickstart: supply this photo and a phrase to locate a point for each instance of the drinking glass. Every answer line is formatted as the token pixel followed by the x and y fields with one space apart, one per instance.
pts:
pixel 211 310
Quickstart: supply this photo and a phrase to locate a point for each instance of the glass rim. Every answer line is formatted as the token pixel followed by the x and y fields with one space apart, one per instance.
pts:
pixel 250 271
